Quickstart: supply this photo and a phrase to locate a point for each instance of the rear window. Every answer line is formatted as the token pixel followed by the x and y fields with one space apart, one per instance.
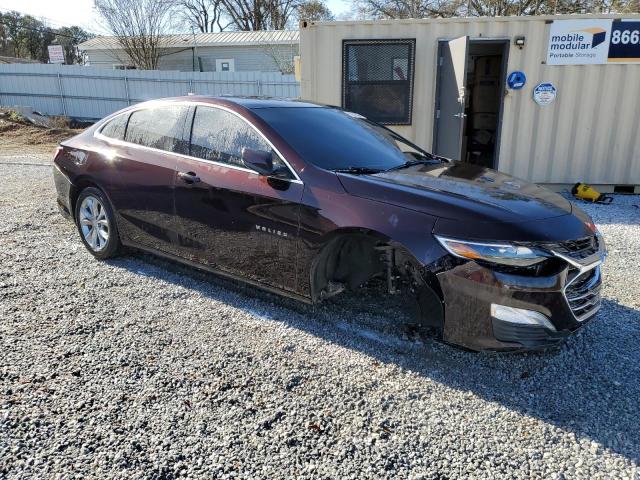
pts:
pixel 115 127
pixel 160 127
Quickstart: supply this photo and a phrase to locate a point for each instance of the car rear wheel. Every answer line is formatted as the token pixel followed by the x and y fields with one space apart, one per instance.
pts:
pixel 96 223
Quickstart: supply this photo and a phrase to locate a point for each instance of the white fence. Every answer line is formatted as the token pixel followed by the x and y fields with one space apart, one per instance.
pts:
pixel 91 93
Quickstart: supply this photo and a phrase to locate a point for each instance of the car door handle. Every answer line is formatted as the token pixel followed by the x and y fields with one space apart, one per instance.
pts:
pixel 188 177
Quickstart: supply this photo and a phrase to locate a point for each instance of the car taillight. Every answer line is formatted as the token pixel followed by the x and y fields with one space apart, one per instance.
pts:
pixel 59 151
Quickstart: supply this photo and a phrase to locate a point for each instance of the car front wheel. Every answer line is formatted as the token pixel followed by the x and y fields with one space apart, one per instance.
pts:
pixel 96 223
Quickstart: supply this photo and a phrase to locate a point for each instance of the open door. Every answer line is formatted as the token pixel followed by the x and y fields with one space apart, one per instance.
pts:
pixel 450 98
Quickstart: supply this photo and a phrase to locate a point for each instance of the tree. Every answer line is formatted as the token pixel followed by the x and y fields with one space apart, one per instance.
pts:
pixel 246 15
pixel 138 26
pixel 486 8
pixel 260 14
pixel 70 38
pixel 12 22
pixel 378 9
pixel 204 15
pixel 483 8
pixel 24 36
pixel 314 11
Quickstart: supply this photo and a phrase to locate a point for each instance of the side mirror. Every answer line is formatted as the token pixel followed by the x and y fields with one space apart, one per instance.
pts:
pixel 258 160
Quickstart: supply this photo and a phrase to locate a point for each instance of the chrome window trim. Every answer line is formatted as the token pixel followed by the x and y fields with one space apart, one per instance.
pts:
pixel 98 134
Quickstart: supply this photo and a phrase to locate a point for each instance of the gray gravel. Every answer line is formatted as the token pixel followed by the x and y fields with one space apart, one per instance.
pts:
pixel 138 368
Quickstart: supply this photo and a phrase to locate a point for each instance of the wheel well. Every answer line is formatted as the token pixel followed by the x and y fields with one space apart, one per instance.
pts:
pixel 75 190
pixel 352 259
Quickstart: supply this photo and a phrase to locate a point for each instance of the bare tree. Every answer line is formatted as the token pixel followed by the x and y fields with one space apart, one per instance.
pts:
pixel 281 12
pixel 542 7
pixel 407 8
pixel 485 8
pixel 203 15
pixel 260 14
pixel 138 26
pixel 282 56
pixel 244 14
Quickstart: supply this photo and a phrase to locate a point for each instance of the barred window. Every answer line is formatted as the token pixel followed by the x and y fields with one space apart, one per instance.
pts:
pixel 377 79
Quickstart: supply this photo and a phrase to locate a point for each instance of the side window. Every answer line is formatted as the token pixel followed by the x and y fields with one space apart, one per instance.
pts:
pixel 159 127
pixel 115 127
pixel 220 136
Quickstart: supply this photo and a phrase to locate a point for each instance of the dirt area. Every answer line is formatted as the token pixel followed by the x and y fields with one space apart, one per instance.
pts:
pixel 17 134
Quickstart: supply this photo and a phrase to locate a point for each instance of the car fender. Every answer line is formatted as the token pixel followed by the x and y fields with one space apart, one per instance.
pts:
pixel 326 215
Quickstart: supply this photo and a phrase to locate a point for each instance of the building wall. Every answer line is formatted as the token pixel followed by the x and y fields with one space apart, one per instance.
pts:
pixel 590 133
pixel 247 59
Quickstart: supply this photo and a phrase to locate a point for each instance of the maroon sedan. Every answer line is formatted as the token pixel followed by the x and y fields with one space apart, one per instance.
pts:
pixel 307 200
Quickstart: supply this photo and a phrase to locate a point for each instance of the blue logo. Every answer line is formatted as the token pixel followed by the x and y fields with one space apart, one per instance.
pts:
pixel 516 80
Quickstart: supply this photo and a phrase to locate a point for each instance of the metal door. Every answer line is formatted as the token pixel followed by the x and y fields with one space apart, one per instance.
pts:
pixel 231 218
pixel 450 101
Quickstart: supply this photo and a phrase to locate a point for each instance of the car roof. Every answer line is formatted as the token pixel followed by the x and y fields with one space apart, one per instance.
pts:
pixel 252 103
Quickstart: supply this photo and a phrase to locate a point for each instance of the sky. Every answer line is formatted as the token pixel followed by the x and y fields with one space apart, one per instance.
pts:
pixel 59 13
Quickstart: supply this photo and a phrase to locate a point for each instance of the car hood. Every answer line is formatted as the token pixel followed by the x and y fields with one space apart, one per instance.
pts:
pixel 459 191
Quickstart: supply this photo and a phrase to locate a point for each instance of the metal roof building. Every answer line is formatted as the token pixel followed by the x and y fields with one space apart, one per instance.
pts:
pixel 552 99
pixel 260 51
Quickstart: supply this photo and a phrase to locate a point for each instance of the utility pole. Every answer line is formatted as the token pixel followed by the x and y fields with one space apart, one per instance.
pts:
pixel 194 50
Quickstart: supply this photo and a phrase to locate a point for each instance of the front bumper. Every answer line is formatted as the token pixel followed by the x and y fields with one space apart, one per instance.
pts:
pixel 569 299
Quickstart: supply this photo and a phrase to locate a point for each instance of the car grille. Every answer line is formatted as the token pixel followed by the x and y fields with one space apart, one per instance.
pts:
pixel 577 249
pixel 583 293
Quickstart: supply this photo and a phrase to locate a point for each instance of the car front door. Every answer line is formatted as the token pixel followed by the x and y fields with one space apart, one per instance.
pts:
pixel 141 183
pixel 231 218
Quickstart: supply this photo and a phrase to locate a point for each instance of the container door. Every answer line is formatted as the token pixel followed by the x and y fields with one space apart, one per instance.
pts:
pixel 450 101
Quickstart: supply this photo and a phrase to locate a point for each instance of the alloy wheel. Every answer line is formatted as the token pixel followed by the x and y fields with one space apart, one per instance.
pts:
pixel 94 223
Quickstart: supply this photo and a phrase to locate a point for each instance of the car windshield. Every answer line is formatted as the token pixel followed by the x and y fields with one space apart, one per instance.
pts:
pixel 335 140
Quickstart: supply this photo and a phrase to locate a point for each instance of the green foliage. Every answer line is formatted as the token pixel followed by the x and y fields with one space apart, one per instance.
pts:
pixel 16 117
pixel 24 36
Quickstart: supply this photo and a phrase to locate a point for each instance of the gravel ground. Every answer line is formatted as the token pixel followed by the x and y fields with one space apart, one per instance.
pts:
pixel 138 368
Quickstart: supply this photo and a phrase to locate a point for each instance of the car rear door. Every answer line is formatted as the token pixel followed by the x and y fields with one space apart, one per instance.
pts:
pixel 141 184
pixel 231 218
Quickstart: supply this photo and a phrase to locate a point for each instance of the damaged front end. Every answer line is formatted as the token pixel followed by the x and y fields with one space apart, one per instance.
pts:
pixel 534 305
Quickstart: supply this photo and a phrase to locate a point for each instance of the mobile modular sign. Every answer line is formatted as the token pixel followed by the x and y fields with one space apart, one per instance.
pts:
pixel 593 41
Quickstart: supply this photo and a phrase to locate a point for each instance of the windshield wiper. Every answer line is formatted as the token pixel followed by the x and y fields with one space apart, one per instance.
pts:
pixel 357 170
pixel 411 163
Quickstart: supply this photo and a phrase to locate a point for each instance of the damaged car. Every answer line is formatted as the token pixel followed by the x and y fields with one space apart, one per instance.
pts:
pixel 308 201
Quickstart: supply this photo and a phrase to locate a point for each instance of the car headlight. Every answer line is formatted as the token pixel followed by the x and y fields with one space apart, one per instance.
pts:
pixel 501 253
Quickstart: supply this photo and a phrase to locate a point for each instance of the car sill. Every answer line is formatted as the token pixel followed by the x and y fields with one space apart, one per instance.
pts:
pixel 215 271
